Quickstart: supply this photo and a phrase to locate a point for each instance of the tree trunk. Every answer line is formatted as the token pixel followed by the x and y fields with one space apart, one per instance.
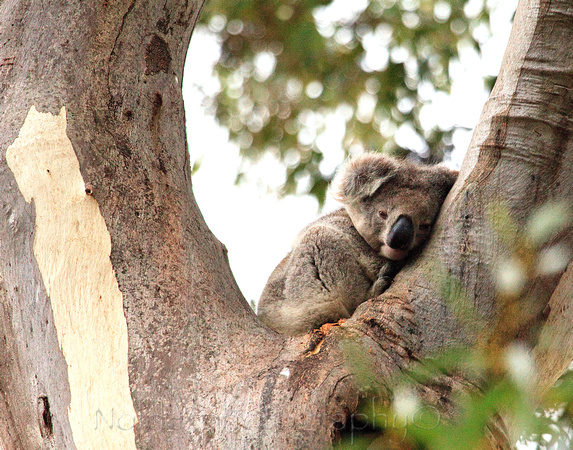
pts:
pixel 121 323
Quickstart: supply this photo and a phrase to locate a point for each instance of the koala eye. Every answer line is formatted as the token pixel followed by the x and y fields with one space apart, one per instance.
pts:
pixel 383 214
pixel 425 227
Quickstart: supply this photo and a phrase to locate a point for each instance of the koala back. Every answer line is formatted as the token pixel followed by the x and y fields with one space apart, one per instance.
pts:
pixel 328 273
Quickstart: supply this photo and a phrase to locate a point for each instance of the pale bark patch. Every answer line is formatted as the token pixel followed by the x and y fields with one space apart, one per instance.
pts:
pixel 72 247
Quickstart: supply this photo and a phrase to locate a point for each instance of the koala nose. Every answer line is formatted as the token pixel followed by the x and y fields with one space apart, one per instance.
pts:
pixel 401 234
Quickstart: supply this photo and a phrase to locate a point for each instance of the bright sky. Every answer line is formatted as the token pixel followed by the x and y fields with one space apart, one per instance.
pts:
pixel 256 226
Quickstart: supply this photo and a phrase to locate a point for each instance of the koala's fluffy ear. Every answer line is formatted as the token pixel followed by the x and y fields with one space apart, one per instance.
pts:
pixel 443 178
pixel 362 176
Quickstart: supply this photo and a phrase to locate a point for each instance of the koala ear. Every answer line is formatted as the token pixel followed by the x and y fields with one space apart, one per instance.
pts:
pixel 362 176
pixel 444 178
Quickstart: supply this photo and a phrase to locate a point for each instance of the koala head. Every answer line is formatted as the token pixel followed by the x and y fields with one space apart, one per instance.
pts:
pixel 392 204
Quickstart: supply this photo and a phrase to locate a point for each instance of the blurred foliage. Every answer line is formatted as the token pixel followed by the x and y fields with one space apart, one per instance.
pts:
pixel 499 374
pixel 287 66
pixel 410 423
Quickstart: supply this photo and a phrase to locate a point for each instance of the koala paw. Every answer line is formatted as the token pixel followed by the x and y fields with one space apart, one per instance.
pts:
pixel 379 286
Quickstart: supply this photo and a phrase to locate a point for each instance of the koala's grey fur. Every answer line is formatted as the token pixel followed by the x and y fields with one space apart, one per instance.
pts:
pixel 352 254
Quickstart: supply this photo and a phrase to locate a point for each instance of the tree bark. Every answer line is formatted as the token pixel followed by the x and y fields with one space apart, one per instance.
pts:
pixel 121 323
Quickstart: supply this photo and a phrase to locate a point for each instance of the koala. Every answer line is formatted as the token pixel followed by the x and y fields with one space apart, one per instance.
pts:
pixel 350 255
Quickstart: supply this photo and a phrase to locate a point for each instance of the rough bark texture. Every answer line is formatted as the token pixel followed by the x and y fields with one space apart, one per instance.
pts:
pixel 104 79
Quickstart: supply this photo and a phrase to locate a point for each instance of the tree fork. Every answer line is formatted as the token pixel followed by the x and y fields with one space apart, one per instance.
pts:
pixel 108 271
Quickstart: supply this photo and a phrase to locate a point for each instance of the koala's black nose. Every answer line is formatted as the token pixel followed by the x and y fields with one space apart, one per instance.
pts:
pixel 401 234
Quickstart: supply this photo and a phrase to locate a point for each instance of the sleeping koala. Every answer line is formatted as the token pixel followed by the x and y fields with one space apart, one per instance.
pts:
pixel 348 256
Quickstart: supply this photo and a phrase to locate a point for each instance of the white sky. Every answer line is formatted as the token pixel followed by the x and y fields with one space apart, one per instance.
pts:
pixel 254 224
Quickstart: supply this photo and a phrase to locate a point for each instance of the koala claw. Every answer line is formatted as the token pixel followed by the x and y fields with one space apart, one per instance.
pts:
pixel 379 286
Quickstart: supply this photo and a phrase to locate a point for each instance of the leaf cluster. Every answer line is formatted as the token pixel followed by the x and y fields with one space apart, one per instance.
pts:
pixel 288 67
pixel 546 421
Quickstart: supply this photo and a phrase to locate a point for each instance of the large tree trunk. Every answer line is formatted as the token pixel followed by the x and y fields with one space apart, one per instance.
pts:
pixel 121 324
